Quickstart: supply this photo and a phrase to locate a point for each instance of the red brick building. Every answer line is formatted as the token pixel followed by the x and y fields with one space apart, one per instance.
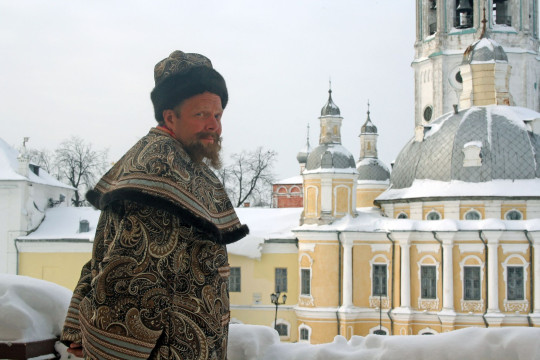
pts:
pixel 288 193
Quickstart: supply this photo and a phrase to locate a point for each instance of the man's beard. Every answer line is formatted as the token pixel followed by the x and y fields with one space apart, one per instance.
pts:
pixel 208 153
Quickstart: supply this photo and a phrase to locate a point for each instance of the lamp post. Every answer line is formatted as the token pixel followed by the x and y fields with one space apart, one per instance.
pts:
pixel 274 297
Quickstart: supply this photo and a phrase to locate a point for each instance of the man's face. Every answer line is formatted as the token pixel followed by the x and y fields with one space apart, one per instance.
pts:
pixel 196 123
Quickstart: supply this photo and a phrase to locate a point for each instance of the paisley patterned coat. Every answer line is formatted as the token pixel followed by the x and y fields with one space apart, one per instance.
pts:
pixel 156 286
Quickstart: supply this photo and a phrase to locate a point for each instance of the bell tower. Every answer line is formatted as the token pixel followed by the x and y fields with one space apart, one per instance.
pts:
pixel 444 30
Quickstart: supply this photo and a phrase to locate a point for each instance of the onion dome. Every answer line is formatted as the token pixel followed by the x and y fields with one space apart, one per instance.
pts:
pixel 330 156
pixel 477 145
pixel 330 109
pixel 484 50
pixel 368 127
pixel 303 154
pixel 372 169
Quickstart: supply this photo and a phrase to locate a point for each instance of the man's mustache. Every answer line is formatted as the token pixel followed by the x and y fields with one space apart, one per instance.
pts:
pixel 207 134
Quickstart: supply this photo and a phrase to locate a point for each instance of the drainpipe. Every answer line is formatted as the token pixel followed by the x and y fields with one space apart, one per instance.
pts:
pixel 531 285
pixel 17 259
pixel 391 288
pixel 339 282
pixel 442 271
pixel 480 234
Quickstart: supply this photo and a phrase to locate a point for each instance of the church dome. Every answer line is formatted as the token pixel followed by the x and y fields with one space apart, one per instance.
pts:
pixel 330 109
pixel 330 156
pixel 372 169
pixel 302 155
pixel 368 127
pixel 484 50
pixel 501 143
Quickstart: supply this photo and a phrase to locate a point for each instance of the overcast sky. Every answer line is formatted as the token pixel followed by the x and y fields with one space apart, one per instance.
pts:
pixel 85 68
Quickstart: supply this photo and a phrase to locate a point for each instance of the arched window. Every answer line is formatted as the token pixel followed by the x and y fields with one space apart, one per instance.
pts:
pixel 513 215
pixel 472 215
pixel 304 333
pixel 433 215
pixel 402 215
pixel 282 329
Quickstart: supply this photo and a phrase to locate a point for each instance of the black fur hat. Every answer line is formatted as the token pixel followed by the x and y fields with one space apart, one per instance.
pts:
pixel 181 76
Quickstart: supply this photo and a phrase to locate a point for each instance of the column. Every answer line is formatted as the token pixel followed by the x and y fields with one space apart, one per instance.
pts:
pixel 405 274
pixel 493 316
pixel 347 272
pixel 536 266
pixel 448 271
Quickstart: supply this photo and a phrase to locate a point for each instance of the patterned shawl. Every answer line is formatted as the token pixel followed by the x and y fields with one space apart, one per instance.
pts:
pixel 157 172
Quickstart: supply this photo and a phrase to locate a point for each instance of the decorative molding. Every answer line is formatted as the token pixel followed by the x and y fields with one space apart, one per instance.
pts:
pixel 375 301
pixel 514 248
pixel 431 248
pixel 305 300
pixel 302 246
pixel 380 247
pixel 472 305
pixel 428 304
pixel 475 248
pixel 516 305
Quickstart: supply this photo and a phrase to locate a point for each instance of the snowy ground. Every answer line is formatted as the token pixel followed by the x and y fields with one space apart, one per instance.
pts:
pixel 32 309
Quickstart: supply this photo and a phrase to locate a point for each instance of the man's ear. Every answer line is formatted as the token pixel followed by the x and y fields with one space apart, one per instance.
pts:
pixel 169 117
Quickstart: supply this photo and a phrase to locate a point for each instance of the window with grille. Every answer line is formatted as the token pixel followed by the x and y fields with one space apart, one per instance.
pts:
pixel 471 283
pixel 472 215
pixel 281 280
pixel 305 275
pixel 234 279
pixel 282 329
pixel 379 280
pixel 514 283
pixel 428 280
pixel 513 215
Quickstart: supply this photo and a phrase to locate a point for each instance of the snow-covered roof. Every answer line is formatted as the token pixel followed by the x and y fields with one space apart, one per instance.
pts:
pixel 425 188
pixel 264 223
pixel 510 150
pixel 62 223
pixel 290 181
pixel 370 220
pixel 9 166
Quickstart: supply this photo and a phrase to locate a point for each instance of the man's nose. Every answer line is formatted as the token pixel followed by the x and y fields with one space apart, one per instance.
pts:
pixel 212 124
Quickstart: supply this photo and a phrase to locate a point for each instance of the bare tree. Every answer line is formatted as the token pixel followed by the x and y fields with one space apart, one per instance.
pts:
pixel 249 176
pixel 80 165
pixel 44 158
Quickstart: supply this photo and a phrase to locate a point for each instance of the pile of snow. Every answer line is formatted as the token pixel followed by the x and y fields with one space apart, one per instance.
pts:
pixel 32 309
pixel 259 342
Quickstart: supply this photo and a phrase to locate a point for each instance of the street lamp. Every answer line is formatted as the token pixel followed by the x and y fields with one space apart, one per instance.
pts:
pixel 274 297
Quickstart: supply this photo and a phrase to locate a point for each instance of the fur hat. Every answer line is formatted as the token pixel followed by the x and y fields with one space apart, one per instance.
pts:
pixel 181 76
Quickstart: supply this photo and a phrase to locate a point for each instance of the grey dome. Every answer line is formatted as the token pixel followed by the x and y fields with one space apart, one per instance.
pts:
pixel 330 109
pixel 330 156
pixel 303 154
pixel 484 50
pixel 508 149
pixel 368 127
pixel 372 169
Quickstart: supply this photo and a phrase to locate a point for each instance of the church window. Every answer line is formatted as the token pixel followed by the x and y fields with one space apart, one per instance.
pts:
pixel 428 113
pixel 304 333
pixel 471 154
pixel 428 282
pixel 501 14
pixel 305 278
pixel 402 215
pixel 379 280
pixel 379 332
pixel 432 17
pixel 282 329
pixel 234 279
pixel 513 215
pixel 472 215
pixel 471 283
pixel 458 77
pixel 281 280
pixel 464 14
pixel 514 283
pixel 433 215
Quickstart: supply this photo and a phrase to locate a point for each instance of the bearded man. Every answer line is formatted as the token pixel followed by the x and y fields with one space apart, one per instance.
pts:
pixel 156 286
